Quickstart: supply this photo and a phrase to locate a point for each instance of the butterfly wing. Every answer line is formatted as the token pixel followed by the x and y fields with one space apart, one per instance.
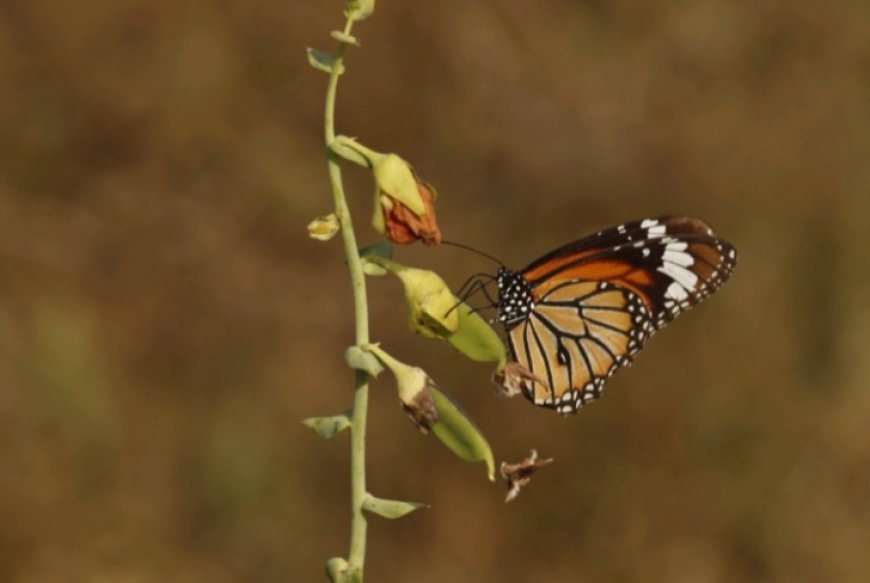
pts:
pixel 575 338
pixel 626 233
pixel 596 302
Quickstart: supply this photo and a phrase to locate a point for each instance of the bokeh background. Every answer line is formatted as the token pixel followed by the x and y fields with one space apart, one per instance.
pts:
pixel 165 322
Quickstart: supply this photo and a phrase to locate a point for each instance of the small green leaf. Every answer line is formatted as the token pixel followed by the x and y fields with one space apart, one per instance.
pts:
pixel 459 433
pixel 359 359
pixel 476 339
pixel 383 250
pixel 348 149
pixel 390 508
pixel 359 9
pixel 328 427
pixel 345 38
pixel 322 61
pixel 373 269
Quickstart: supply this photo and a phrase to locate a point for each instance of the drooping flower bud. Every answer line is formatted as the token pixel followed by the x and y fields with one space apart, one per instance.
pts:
pixel 431 409
pixel 404 204
pixel 427 297
pixel 434 312
pixel 415 389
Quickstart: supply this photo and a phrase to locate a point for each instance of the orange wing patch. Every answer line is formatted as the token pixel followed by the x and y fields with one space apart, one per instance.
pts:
pixel 617 272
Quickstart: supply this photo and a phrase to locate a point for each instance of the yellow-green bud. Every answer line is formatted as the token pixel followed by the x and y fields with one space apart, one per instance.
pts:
pixel 429 301
pixel 323 228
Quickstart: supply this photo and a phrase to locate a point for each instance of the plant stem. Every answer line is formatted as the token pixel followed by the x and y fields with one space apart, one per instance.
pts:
pixel 356 556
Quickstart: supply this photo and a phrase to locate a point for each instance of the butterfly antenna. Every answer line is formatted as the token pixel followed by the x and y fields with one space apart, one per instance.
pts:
pixel 473 250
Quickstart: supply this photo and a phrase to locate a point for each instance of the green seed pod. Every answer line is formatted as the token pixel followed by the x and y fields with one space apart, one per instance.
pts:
pixel 459 433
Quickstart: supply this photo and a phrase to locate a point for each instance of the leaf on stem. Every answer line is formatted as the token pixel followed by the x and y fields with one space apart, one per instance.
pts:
pixel 328 427
pixel 390 508
pixel 384 250
pixel 344 38
pixel 323 61
pixel 359 359
pixel 344 147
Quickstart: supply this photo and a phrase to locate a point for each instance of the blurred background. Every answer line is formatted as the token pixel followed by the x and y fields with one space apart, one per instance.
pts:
pixel 165 322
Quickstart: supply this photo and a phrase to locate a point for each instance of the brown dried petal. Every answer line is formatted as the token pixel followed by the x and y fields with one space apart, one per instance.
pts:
pixel 403 226
pixel 518 475
pixel 510 380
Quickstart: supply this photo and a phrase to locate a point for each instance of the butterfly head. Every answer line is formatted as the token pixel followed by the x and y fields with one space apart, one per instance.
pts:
pixel 515 301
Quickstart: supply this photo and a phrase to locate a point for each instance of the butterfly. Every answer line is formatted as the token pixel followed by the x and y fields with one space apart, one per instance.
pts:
pixel 576 315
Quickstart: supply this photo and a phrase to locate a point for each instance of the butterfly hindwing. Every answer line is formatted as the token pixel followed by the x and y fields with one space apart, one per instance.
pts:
pixel 571 345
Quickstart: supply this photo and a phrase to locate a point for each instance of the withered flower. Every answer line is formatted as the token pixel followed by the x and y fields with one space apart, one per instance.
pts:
pixel 402 225
pixel 509 380
pixel 404 204
pixel 518 475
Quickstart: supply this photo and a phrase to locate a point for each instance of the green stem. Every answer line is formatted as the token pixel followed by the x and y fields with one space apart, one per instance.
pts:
pixel 356 556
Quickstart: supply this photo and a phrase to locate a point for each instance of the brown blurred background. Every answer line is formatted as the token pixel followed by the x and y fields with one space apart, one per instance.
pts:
pixel 165 322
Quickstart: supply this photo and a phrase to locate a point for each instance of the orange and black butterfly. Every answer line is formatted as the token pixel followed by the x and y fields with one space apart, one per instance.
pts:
pixel 579 313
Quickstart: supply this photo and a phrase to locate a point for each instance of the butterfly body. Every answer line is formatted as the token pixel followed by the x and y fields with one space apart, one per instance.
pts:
pixel 578 314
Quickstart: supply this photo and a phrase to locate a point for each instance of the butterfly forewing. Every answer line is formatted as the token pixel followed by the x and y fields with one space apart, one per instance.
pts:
pixel 584 310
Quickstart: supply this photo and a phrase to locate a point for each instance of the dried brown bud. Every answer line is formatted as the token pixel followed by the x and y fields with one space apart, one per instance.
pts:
pixel 518 475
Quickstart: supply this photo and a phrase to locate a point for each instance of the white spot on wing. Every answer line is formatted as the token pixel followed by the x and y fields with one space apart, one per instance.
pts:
pixel 678 257
pixel 686 278
pixel 648 223
pixel 658 231
pixel 677 292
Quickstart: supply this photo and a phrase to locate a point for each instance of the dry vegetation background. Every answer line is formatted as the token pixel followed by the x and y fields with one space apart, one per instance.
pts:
pixel 165 322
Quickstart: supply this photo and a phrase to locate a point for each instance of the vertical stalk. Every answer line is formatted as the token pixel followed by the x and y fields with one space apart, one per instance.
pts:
pixel 356 556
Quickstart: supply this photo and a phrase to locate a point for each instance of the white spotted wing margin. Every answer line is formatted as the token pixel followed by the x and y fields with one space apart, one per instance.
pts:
pixel 596 302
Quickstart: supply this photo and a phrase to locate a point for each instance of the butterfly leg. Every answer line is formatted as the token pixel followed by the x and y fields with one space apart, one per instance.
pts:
pixel 477 284
pixel 465 290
